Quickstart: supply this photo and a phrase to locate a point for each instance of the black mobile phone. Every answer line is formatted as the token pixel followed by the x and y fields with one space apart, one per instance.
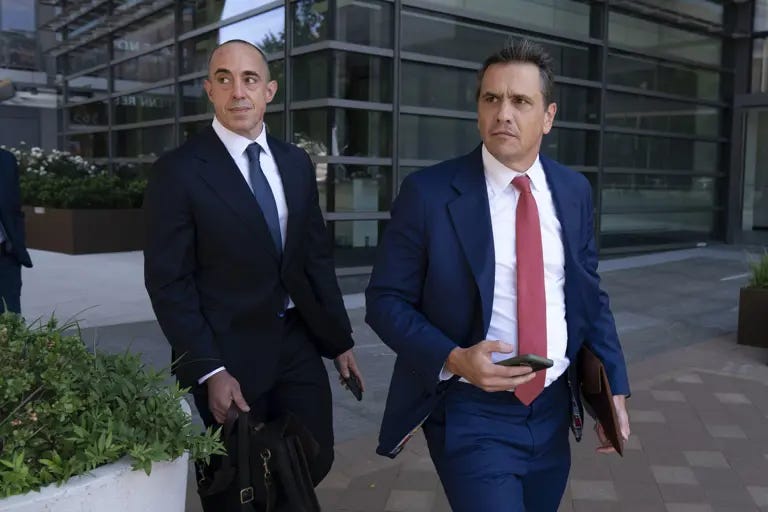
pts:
pixel 354 386
pixel 535 362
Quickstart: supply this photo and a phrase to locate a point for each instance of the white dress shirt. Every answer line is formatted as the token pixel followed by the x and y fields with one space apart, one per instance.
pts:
pixel 236 145
pixel 502 199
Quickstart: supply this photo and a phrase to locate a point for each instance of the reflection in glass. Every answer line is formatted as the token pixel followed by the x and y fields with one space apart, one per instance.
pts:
pixel 144 142
pixel 571 147
pixel 190 129
pixel 88 116
pixel 656 192
pixel 87 57
pixel 633 111
pixel 143 35
pixel 149 105
pixel 355 77
pixel 755 214
pixel 267 31
pixel 92 85
pixel 761 15
pixel 366 22
pixel 637 229
pixel 663 40
pixel 348 132
pixel 760 64
pixel 275 122
pixel 436 138
pixel 194 99
pixel 18 50
pixel 428 85
pixel 195 52
pixel 646 74
pixel 145 70
pixel 358 188
pixel 643 152
pixel 88 145
pixel 198 13
pixel 355 241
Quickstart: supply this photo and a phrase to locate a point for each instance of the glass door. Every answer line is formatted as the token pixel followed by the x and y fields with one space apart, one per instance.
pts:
pixel 755 212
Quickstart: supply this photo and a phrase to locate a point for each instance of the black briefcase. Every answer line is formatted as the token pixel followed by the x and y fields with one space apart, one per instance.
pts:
pixel 265 469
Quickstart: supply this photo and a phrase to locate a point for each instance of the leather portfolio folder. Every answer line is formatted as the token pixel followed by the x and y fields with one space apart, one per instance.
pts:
pixel 598 398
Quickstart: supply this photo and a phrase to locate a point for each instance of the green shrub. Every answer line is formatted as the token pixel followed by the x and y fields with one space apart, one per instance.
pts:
pixel 759 277
pixel 65 411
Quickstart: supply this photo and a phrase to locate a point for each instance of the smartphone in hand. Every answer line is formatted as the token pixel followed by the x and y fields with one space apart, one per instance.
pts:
pixel 535 362
pixel 354 386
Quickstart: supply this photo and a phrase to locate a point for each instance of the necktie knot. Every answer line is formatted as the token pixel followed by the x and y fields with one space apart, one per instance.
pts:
pixel 253 150
pixel 522 183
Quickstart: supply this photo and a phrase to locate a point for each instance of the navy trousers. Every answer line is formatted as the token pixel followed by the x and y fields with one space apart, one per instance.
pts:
pixel 494 454
pixel 10 284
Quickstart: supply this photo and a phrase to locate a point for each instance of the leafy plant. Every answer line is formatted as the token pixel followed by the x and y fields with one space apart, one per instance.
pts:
pixel 58 179
pixel 759 277
pixel 65 411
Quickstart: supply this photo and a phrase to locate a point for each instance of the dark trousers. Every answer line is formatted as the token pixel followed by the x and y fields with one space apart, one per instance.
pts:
pixel 301 388
pixel 10 284
pixel 494 453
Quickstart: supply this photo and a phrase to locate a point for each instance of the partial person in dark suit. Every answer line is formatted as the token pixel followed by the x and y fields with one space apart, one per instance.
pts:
pixel 13 250
pixel 238 262
pixel 488 256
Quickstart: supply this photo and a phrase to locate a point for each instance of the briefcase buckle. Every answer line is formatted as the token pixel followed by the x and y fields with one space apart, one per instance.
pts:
pixel 246 495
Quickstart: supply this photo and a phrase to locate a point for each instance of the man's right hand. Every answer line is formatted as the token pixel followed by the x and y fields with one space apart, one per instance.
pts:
pixel 477 367
pixel 223 389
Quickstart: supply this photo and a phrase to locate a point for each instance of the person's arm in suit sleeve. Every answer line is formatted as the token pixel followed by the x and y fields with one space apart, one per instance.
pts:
pixel 321 270
pixel 602 338
pixel 169 266
pixel 395 288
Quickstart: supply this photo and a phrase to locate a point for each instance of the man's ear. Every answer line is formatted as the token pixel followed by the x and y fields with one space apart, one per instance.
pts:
pixel 208 86
pixel 549 117
pixel 271 90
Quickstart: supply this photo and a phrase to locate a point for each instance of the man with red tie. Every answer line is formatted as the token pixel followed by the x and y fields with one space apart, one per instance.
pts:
pixel 489 256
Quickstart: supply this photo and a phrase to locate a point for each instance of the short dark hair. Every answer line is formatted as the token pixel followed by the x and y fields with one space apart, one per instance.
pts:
pixel 242 41
pixel 527 52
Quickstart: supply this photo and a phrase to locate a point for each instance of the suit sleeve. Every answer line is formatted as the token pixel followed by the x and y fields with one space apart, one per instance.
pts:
pixel 169 266
pixel 394 292
pixel 321 270
pixel 602 338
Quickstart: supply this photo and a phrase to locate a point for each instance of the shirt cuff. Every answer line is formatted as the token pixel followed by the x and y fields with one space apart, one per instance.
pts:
pixel 445 374
pixel 209 375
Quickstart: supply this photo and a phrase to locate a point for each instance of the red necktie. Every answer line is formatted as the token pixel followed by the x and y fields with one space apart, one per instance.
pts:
pixel 531 301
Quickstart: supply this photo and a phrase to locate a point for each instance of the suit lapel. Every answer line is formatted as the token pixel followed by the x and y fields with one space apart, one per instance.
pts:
pixel 223 176
pixel 290 175
pixel 471 220
pixel 566 205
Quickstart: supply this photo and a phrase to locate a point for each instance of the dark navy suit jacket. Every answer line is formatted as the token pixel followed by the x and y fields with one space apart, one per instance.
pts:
pixel 10 207
pixel 432 285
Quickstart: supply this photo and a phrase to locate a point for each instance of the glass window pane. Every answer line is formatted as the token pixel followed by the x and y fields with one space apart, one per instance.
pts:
pixel 18 50
pixel 366 22
pixel 656 192
pixel 275 122
pixel 359 188
pixel 149 105
pixel 192 128
pixel 761 15
pixel 198 13
pixel 556 15
pixel 194 99
pixel 444 36
pixel 642 152
pixel 92 85
pixel 355 241
pixel 145 70
pixel 655 76
pixel 88 145
pixel 144 34
pixel 195 52
pixel 427 85
pixel 663 40
pixel 347 132
pixel 266 30
pixel 760 65
pixel 87 57
pixel 710 11
pixel 88 116
pixel 637 229
pixel 577 104
pixel 571 147
pixel 355 77
pixel 633 111
pixel 144 142
pixel 17 15
pixel 436 138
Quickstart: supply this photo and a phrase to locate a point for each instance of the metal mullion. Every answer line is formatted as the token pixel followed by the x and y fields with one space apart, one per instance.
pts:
pixel 418 162
pixel 193 76
pixel 109 39
pixel 84 72
pixel 342 46
pixel 665 96
pixel 143 124
pixel 664 172
pixel 704 28
pixel 351 160
pixel 195 118
pixel 142 53
pixel 353 216
pixel 396 87
pixel 646 54
pixel 438 112
pixel 341 103
pixel 144 88
pixel 662 134
pixel 234 19
pixel 288 72
pixel 692 209
pixel 178 108
pixel 87 131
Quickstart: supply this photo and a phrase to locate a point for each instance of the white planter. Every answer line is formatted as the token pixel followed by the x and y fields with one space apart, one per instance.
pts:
pixel 114 487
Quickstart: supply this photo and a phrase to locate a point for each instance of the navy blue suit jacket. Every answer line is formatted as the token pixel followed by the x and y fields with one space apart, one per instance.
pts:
pixel 216 280
pixel 432 285
pixel 10 207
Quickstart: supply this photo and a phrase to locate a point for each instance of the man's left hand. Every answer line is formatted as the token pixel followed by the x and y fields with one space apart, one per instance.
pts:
pixel 620 402
pixel 346 364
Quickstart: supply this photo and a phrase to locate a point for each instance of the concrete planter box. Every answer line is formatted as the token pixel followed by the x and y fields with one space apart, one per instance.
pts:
pixel 113 487
pixel 753 311
pixel 84 231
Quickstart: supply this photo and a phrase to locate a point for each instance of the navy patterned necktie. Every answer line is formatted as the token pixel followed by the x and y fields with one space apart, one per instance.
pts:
pixel 263 194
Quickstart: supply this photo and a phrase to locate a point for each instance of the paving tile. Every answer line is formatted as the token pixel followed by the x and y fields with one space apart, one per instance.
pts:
pixel 726 431
pixel 668 396
pixel 417 481
pixel 647 416
pixel 634 443
pixel 593 490
pixel 591 469
pixel 638 492
pixel 363 500
pixel 674 475
pixel 733 398
pixel 688 507
pixel 759 495
pixel 672 493
pixel 595 506
pixel 689 378
pixel 441 502
pixel 410 501
pixel 706 459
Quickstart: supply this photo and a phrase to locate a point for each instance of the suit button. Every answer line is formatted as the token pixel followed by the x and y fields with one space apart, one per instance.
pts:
pixel 281 314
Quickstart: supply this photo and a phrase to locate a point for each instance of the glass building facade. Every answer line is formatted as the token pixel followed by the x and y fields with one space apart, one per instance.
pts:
pixel 647 96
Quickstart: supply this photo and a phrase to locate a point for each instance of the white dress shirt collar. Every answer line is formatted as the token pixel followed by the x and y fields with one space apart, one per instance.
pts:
pixel 235 143
pixel 499 176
